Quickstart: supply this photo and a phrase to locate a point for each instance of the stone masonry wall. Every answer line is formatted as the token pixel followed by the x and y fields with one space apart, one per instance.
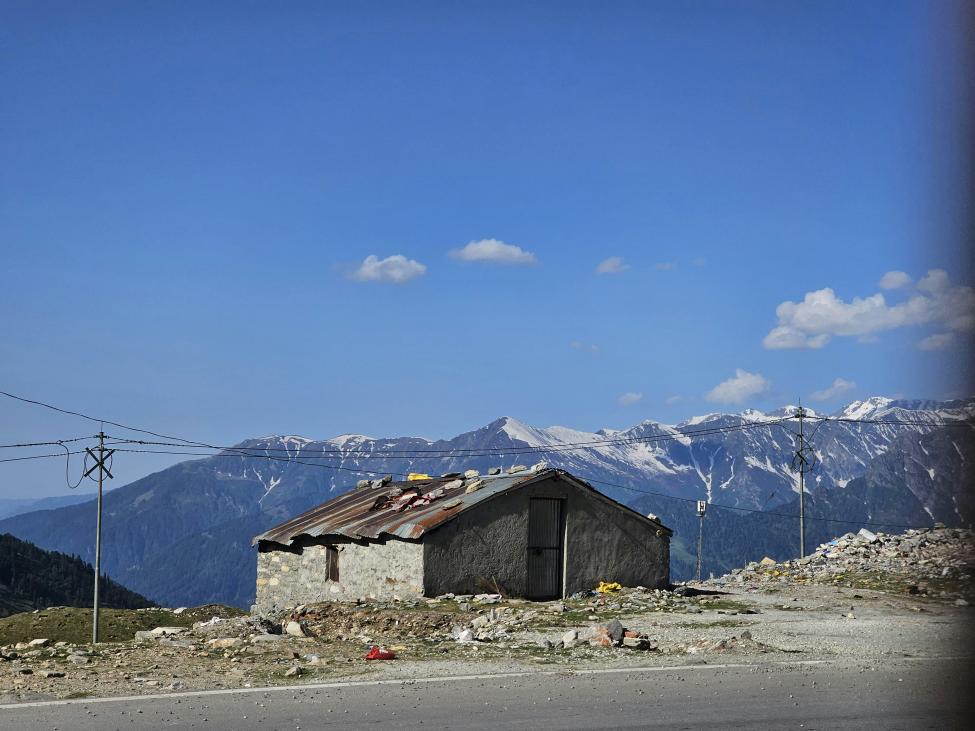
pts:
pixel 377 570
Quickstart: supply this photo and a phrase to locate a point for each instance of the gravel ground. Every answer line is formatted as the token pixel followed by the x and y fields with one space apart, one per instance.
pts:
pixel 760 615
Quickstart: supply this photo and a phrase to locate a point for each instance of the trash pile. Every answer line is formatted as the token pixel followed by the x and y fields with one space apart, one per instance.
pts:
pixel 918 558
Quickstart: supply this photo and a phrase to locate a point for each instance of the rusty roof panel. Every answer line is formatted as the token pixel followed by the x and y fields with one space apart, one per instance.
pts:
pixel 352 515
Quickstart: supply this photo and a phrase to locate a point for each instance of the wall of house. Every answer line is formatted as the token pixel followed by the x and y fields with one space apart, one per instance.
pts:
pixel 299 574
pixel 487 546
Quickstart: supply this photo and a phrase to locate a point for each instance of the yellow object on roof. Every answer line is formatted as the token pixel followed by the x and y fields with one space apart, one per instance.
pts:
pixel 418 476
pixel 606 587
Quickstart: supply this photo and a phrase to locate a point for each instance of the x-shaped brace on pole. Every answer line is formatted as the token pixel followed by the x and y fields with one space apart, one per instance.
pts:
pixel 100 462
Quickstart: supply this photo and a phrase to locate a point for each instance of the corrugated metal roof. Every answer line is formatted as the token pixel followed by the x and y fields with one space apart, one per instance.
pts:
pixel 374 511
pixel 352 514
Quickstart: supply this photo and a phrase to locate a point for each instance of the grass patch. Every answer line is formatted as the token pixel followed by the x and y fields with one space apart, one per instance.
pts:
pixel 73 624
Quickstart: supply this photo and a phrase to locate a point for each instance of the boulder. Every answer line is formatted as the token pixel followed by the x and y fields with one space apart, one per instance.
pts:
pixel 225 642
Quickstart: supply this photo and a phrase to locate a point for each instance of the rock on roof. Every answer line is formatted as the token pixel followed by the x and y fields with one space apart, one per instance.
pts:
pixel 411 508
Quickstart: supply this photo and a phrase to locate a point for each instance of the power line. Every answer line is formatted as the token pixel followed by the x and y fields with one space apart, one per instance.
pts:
pixel 966 422
pixel 45 444
pixel 421 454
pixel 745 510
pixel 269 457
pixel 39 456
pixel 463 452
pixel 557 446
pixel 89 418
pixel 599 482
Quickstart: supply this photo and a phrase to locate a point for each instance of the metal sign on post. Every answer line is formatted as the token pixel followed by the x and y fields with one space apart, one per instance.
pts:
pixel 702 505
pixel 102 468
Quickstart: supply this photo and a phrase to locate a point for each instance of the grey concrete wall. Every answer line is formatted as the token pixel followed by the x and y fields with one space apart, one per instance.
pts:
pixel 381 570
pixel 489 543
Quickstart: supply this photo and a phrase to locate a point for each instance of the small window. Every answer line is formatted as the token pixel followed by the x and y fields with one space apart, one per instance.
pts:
pixel 332 562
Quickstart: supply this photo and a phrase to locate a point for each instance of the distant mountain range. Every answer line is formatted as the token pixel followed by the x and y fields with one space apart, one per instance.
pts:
pixel 182 535
pixel 10 507
pixel 31 578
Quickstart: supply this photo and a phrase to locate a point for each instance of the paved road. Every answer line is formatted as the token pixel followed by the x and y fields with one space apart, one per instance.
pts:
pixel 910 695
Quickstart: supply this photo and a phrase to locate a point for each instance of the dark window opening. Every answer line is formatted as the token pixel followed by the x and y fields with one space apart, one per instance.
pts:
pixel 332 562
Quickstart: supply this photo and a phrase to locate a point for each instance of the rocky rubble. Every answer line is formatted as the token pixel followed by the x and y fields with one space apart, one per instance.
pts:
pixel 938 562
pixel 931 568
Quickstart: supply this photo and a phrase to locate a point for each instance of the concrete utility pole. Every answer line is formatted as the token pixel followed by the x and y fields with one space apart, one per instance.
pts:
pixel 702 506
pixel 802 462
pixel 99 465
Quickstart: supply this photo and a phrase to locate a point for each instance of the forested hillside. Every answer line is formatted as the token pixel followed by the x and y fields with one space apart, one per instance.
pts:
pixel 32 578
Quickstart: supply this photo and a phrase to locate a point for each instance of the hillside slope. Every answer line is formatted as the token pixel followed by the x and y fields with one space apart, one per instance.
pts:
pixel 32 578
pixel 196 519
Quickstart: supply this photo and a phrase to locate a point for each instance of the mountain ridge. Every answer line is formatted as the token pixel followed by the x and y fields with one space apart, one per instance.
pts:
pixel 196 518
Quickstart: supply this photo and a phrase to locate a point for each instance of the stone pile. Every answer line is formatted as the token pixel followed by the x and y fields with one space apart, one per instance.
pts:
pixel 915 558
pixel 340 621
pixel 742 642
pixel 614 634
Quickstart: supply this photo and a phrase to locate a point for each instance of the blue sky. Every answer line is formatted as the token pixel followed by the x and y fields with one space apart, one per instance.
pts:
pixel 190 191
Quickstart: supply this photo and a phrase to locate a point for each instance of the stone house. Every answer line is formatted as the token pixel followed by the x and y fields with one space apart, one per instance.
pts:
pixel 539 534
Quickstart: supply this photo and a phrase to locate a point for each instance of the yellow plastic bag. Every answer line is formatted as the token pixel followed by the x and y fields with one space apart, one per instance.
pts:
pixel 418 476
pixel 606 587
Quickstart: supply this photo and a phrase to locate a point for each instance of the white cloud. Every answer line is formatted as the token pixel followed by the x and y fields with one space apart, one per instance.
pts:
pixel 936 280
pixel 629 398
pixel 665 266
pixel 737 389
pixel 894 280
pixel 839 386
pixel 493 251
pixel 938 341
pixel 612 265
pixel 671 400
pixel 590 348
pixel 822 315
pixel 396 269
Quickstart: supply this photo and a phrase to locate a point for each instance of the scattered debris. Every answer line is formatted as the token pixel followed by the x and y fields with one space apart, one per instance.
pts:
pixel 380 653
pixel 222 649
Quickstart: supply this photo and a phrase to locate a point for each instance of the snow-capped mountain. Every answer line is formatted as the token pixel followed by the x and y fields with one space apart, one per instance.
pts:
pixel 707 457
pixel 195 519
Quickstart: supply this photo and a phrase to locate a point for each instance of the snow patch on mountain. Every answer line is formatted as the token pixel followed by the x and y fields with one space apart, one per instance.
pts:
pixel 343 441
pixel 865 409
